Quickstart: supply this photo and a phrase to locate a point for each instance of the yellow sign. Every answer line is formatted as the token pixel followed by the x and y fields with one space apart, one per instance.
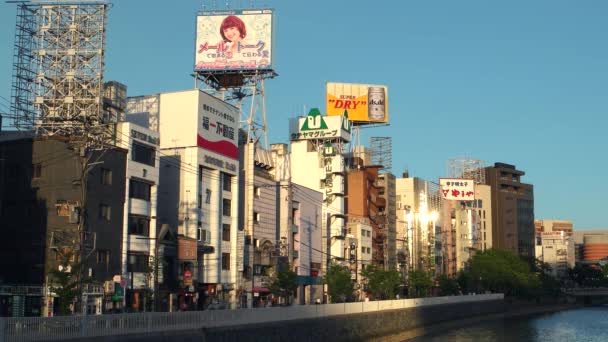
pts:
pixel 363 102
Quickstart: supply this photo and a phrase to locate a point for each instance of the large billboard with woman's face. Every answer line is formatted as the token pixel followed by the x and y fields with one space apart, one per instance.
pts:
pixel 234 40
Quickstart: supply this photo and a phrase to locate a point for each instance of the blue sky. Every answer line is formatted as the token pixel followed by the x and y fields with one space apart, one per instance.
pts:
pixel 463 76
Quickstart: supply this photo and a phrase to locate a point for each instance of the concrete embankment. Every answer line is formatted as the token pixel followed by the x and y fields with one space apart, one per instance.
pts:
pixel 520 309
pixel 386 321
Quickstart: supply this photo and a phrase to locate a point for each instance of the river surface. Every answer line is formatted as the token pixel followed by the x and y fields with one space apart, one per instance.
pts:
pixel 586 324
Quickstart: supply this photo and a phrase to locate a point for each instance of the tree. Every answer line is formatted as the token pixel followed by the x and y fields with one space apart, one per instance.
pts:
pixel 382 284
pixel 447 286
pixel 339 283
pixel 282 283
pixel 66 281
pixel 502 271
pixel 420 283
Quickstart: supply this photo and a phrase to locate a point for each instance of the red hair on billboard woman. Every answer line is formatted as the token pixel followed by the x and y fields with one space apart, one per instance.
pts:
pixel 233 31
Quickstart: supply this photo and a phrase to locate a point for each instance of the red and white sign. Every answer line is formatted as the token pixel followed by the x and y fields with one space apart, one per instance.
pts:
pixel 218 129
pixel 457 189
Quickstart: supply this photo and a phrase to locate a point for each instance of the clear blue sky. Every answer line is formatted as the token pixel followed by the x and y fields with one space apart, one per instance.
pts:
pixel 463 77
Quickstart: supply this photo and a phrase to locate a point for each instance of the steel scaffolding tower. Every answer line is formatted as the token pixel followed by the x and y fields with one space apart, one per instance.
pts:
pixel 382 152
pixel 467 168
pixel 58 69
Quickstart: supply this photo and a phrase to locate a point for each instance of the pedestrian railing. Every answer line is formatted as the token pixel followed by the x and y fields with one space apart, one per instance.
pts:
pixel 26 329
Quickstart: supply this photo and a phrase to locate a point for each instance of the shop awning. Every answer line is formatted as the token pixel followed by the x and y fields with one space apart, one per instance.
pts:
pixel 260 290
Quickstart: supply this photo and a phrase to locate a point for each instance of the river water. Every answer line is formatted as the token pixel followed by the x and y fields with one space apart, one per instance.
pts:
pixel 585 324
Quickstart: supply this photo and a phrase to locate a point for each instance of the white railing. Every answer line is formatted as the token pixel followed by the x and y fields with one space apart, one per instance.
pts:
pixel 25 329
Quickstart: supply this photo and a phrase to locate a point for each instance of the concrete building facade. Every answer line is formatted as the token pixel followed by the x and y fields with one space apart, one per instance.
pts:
pixel 139 232
pixel 418 211
pixel 198 193
pixel 317 162
pixel 41 208
pixel 512 209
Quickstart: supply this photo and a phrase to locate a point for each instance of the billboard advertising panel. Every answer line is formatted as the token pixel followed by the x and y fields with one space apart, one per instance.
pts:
pixel 364 103
pixel 234 40
pixel 218 127
pixel 318 127
pixel 458 189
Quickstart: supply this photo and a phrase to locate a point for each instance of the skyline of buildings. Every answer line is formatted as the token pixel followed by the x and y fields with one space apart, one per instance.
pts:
pixel 173 203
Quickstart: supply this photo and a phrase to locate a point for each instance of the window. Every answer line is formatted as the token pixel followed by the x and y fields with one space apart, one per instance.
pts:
pixel 106 176
pixel 226 261
pixel 199 201
pixel 143 154
pixel 137 262
pixel 139 189
pixel 105 212
pixel 37 171
pixel 200 173
pixel 226 207
pixel 479 203
pixel 257 217
pixel 103 257
pixel 139 225
pixel 62 207
pixel 199 231
pixel 369 250
pixel 227 182
pixel 226 232
pixel 257 192
pixel 208 196
pixel 362 250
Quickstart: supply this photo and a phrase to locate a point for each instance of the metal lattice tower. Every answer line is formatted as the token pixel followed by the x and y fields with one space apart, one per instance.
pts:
pixel 382 152
pixel 466 168
pixel 58 69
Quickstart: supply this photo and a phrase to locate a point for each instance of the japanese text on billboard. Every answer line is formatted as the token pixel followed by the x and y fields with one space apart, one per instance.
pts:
pixel 234 40
pixel 458 189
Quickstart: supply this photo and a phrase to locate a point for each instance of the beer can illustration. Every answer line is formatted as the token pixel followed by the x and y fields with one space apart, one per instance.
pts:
pixel 376 100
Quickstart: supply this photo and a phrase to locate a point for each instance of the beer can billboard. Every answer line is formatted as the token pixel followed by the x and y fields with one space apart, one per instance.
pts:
pixel 364 103
pixel 234 40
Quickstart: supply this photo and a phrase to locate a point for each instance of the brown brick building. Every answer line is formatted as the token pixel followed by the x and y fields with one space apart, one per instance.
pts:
pixel 364 201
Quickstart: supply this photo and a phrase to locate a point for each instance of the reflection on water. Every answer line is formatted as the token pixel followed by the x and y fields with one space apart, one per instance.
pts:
pixel 587 324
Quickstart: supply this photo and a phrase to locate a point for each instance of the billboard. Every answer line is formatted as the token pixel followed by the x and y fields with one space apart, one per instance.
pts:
pixel 218 131
pixel 318 127
pixel 234 40
pixel 457 189
pixel 364 103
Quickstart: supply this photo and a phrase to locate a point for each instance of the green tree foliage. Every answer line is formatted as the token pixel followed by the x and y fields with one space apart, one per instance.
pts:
pixel 339 283
pixel 282 283
pixel 382 284
pixel 65 282
pixel 588 276
pixel 420 283
pixel 447 286
pixel 502 271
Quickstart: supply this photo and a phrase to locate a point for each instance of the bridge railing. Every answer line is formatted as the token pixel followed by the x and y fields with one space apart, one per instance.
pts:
pixel 61 328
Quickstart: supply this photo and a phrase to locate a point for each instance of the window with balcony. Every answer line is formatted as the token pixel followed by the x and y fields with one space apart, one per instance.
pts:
pixel 143 154
pixel 139 225
pixel 137 262
pixel 140 190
